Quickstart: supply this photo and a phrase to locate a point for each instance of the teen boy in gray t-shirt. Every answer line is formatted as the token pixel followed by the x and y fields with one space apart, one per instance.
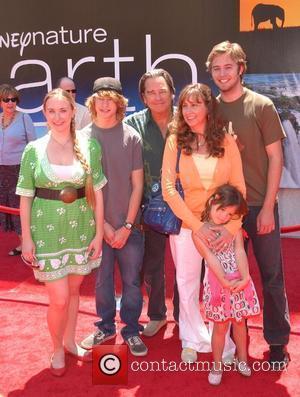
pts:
pixel 123 243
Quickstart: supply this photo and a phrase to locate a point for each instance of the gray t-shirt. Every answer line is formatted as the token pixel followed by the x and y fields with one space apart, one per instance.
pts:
pixel 121 154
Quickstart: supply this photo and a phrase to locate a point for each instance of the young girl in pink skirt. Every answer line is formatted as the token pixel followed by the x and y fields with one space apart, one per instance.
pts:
pixel 229 295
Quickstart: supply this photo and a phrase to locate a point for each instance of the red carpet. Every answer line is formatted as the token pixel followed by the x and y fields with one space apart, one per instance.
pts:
pixel 25 343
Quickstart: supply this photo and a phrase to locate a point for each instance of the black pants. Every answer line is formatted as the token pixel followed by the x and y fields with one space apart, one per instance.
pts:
pixel 267 251
pixel 153 274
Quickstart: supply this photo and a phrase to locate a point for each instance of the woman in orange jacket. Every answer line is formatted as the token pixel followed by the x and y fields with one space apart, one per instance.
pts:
pixel 209 158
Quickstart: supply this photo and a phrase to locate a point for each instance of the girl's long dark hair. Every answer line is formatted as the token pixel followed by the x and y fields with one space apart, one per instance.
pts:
pixel 225 196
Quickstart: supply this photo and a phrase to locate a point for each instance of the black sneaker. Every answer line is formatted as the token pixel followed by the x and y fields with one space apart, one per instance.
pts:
pixel 136 346
pixel 96 339
pixel 279 357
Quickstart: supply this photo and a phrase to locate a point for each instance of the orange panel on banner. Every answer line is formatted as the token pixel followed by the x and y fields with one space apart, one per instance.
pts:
pixel 271 14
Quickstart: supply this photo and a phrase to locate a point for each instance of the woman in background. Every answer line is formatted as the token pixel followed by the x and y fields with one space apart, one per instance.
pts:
pixel 16 130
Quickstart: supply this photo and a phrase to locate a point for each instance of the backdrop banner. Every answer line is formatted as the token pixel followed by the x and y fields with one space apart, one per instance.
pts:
pixel 41 42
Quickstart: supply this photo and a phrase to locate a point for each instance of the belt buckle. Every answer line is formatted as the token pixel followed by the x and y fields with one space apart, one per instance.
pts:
pixel 68 194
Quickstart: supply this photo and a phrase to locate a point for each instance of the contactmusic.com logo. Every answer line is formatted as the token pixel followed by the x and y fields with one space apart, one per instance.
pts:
pixel 110 365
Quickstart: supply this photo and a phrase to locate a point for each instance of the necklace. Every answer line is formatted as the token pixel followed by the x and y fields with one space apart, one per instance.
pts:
pixel 59 143
pixel 5 124
pixel 200 142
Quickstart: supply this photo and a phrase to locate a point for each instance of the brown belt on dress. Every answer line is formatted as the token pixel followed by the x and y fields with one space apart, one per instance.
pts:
pixel 67 194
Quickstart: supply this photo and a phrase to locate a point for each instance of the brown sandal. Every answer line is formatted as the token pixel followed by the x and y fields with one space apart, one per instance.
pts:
pixel 15 252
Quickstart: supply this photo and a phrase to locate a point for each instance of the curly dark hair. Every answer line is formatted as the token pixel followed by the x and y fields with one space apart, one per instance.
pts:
pixel 215 128
pixel 225 196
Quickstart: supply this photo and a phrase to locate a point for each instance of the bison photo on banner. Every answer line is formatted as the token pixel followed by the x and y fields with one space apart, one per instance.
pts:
pixel 41 42
pixel 284 90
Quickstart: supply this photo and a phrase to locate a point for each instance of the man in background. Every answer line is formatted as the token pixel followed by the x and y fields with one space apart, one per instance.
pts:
pixel 82 115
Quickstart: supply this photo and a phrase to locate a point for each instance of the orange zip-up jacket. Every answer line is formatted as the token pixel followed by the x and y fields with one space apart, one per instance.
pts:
pixel 228 170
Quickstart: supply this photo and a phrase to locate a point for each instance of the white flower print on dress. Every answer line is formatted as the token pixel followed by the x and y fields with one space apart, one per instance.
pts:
pixel 51 184
pixel 55 263
pixel 83 237
pixel 79 259
pixel 50 227
pixel 62 240
pixel 33 228
pixel 39 213
pixel 78 180
pixel 92 222
pixel 40 243
pixel 60 210
pixel 83 208
pixel 32 165
pixel 73 223
pixel 41 264
pixel 21 178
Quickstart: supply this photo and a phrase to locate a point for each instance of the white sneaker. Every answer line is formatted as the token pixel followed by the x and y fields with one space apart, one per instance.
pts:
pixel 214 378
pixel 243 368
pixel 188 355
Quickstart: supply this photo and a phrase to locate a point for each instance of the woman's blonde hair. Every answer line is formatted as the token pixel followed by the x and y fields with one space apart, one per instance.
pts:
pixel 118 99
pixel 89 188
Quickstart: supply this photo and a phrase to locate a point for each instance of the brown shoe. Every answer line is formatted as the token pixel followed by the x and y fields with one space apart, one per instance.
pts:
pixel 15 252
pixel 279 357
pixel 153 327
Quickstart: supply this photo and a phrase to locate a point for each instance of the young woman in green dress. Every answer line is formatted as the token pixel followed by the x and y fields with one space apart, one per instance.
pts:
pixel 61 211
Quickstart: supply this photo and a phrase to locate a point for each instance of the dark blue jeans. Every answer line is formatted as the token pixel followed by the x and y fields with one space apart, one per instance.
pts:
pixel 267 251
pixel 153 275
pixel 129 259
